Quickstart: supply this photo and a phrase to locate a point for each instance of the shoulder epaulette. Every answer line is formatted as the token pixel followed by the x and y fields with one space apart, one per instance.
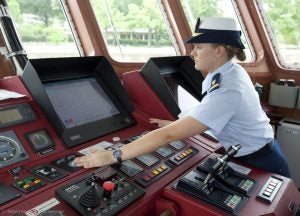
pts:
pixel 215 82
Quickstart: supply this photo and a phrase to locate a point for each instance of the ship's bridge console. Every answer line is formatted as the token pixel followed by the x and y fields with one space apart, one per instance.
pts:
pixel 62 108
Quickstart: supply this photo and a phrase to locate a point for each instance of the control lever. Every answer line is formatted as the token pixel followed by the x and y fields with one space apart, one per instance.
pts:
pixel 221 162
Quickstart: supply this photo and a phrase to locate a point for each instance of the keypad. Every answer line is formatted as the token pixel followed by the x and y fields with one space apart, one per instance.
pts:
pixel 270 189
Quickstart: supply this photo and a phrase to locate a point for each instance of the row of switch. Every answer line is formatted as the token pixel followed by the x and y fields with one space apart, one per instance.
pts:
pixel 29 184
pixel 184 154
pixel 270 189
pixel 155 173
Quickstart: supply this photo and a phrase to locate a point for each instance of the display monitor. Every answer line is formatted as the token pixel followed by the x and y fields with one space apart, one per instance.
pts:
pixel 175 81
pixel 80 101
pixel 81 96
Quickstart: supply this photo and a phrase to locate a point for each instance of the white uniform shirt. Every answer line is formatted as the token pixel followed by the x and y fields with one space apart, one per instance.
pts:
pixel 233 111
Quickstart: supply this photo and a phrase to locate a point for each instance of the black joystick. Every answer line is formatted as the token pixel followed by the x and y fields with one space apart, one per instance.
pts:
pixel 91 196
pixel 220 162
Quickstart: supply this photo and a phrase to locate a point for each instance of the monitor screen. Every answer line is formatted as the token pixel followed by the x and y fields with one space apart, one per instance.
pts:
pixel 80 101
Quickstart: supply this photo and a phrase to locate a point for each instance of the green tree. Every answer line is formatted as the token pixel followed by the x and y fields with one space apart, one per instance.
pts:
pixel 130 16
pixel 205 8
pixel 45 10
pixel 14 8
pixel 284 18
pixel 39 21
pixel 200 8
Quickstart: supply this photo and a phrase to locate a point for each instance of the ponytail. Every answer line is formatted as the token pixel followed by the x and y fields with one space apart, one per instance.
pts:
pixel 235 51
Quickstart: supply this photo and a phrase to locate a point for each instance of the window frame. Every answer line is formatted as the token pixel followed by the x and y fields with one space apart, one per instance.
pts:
pixel 279 60
pixel 93 43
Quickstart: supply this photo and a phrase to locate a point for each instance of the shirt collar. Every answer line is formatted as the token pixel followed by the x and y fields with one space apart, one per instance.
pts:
pixel 222 69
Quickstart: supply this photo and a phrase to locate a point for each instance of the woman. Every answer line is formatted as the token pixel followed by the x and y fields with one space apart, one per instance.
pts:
pixel 230 108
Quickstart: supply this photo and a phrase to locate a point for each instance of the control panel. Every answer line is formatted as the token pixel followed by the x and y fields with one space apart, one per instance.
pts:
pixel 154 165
pixel 218 187
pixel 65 163
pixel 270 189
pixel 29 184
pixel 229 177
pixel 36 165
pixel 38 177
pixel 212 191
pixel 103 193
pixel 214 181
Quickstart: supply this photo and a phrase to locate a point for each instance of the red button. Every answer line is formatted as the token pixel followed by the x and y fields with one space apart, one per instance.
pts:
pixel 108 186
pixel 147 178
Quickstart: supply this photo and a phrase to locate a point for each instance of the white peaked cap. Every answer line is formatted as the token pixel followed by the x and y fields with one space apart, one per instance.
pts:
pixel 219 23
pixel 219 30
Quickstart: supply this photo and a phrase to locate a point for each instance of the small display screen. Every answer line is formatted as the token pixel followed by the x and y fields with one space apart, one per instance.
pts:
pixel 130 168
pixel 148 159
pixel 10 115
pixel 40 140
pixel 164 151
pixel 80 101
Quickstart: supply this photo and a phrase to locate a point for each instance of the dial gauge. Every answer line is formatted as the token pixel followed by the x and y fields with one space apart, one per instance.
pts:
pixel 9 149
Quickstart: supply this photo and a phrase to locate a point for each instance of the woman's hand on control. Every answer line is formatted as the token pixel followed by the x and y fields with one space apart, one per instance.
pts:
pixel 97 158
pixel 160 122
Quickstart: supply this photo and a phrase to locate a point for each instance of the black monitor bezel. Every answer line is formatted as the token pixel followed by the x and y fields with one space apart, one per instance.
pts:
pixel 154 70
pixel 40 71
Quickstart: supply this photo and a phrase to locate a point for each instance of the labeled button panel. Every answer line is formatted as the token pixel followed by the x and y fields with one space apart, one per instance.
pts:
pixel 182 156
pixel 65 163
pixel 270 189
pixel 153 174
pixel 48 173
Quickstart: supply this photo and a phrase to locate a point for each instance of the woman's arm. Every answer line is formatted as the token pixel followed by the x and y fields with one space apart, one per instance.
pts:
pixel 176 130
pixel 160 122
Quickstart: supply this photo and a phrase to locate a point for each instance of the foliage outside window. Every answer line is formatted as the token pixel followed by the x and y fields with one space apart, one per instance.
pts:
pixel 282 20
pixel 43 28
pixel 209 8
pixel 134 30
